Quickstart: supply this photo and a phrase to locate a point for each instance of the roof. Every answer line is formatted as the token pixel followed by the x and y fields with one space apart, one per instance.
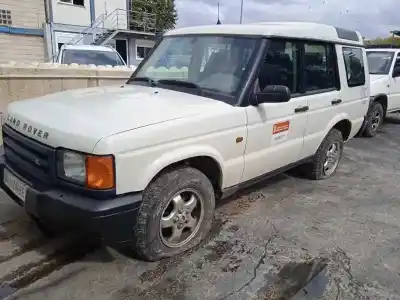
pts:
pixel 306 30
pixel 88 47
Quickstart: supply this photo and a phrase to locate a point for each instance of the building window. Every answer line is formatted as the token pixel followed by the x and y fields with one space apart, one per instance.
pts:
pixel 74 2
pixel 5 17
pixel 142 51
pixel 354 62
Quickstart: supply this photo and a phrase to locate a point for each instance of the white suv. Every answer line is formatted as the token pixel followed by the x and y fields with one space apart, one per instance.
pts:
pixel 142 164
pixel 384 70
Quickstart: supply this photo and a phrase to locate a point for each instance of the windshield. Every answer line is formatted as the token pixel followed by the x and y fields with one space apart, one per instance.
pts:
pixel 217 65
pixel 379 62
pixel 91 57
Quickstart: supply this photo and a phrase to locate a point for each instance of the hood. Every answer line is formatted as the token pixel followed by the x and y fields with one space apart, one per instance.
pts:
pixel 78 119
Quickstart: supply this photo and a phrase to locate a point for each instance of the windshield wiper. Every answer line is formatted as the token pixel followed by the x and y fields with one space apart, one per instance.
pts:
pixel 181 83
pixel 151 82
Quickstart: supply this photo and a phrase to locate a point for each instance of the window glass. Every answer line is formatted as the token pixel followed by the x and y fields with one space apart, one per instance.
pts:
pixel 91 57
pixel 319 67
pixel 353 59
pixel 379 62
pixel 280 66
pixel 217 64
pixel 141 52
pixel 397 63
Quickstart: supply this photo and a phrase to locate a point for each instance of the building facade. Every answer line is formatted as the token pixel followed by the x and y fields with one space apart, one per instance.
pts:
pixel 34 30
pixel 98 22
pixel 21 30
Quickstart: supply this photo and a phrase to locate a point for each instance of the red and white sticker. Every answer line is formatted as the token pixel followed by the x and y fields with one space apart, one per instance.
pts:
pixel 280 131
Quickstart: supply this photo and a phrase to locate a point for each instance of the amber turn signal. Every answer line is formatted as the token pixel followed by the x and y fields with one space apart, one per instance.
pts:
pixel 100 172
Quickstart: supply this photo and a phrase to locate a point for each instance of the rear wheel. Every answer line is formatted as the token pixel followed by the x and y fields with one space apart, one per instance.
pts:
pixel 327 158
pixel 374 119
pixel 176 214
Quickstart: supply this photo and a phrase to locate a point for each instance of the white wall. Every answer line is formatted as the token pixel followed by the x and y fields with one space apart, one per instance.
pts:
pixel 65 13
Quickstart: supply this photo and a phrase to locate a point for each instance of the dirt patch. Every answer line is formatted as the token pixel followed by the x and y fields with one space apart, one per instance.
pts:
pixel 168 263
pixel 291 278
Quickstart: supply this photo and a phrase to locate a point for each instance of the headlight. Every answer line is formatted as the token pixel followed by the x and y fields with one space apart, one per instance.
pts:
pixel 91 171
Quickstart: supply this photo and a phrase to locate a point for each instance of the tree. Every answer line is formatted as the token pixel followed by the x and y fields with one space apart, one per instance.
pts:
pixel 153 15
pixel 385 41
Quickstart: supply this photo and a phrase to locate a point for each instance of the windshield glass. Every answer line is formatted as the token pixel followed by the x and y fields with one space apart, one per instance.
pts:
pixel 214 64
pixel 379 62
pixel 91 57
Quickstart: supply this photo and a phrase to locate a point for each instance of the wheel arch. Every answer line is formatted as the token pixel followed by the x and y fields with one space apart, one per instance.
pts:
pixel 343 124
pixel 208 162
pixel 383 100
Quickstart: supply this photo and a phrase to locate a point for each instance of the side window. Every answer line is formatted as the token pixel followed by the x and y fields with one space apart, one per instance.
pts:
pixel 319 67
pixel 280 66
pixel 354 63
pixel 397 63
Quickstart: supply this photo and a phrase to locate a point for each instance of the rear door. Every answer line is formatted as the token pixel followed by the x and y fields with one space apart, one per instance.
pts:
pixel 321 87
pixel 355 91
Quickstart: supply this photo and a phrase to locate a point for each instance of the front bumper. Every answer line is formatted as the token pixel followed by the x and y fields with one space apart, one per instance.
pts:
pixel 112 219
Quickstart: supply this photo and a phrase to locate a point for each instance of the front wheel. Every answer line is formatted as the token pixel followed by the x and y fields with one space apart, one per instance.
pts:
pixel 327 158
pixel 374 119
pixel 176 214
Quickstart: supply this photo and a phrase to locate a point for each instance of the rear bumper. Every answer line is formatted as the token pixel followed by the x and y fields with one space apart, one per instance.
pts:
pixel 112 219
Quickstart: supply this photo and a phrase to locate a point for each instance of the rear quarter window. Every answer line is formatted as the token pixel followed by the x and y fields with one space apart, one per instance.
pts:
pixel 354 63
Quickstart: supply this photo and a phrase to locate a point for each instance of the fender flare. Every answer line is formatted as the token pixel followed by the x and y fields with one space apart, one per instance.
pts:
pixel 178 155
pixel 341 117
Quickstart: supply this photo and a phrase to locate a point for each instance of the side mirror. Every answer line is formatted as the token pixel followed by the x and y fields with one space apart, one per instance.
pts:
pixel 273 94
pixel 396 72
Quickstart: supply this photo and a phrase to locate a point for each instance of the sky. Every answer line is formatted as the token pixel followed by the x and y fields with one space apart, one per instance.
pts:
pixel 372 18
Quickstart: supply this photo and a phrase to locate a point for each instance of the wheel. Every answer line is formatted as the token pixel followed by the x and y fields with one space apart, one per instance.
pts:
pixel 374 119
pixel 175 215
pixel 327 158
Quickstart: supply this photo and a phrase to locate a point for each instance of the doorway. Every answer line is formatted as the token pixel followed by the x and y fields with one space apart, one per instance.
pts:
pixel 122 48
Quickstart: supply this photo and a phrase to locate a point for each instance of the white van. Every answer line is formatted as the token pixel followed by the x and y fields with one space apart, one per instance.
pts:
pixel 142 164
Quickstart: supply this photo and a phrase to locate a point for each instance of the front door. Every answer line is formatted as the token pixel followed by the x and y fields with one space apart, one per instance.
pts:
pixel 276 130
pixel 321 86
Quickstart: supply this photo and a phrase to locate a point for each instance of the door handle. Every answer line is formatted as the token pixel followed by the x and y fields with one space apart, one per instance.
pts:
pixel 301 109
pixel 336 101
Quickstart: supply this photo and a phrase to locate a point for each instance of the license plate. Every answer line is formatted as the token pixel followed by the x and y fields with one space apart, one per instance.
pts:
pixel 18 187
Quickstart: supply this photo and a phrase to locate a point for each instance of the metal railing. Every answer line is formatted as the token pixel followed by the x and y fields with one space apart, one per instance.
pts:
pixel 119 19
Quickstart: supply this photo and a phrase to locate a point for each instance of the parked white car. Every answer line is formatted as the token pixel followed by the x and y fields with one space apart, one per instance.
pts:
pixel 89 55
pixel 384 70
pixel 142 164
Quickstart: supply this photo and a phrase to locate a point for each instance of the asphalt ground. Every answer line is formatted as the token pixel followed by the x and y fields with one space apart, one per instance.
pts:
pixel 285 238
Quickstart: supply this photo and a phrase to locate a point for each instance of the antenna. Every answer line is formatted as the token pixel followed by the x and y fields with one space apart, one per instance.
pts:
pixel 219 21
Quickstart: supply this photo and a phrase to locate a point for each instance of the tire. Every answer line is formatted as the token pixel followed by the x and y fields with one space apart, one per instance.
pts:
pixel 152 243
pixel 375 111
pixel 315 169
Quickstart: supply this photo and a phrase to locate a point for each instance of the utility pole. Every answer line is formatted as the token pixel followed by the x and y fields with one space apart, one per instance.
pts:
pixel 241 12
pixel 219 21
